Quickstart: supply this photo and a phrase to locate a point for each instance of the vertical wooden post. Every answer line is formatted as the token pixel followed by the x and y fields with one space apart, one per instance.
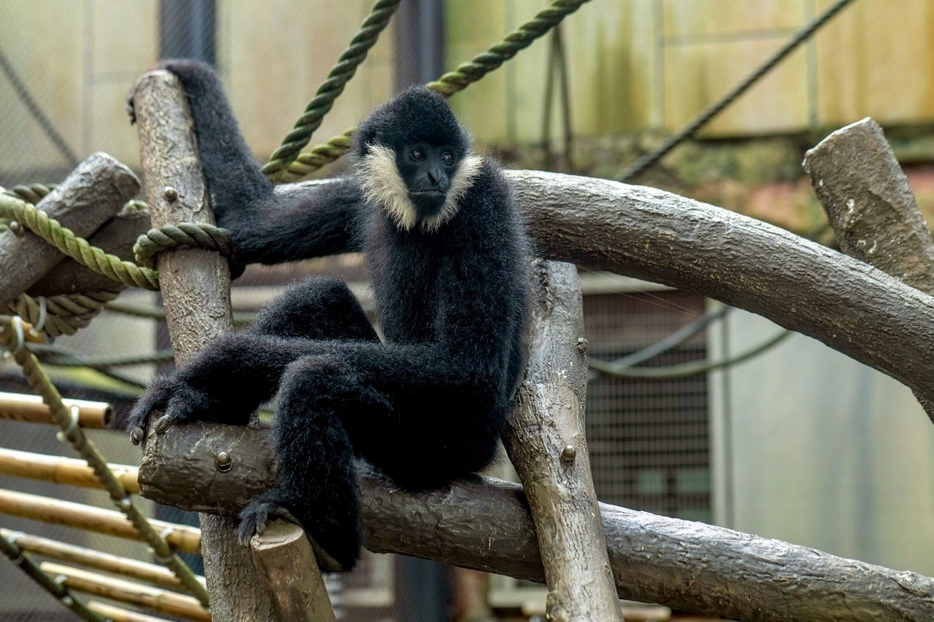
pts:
pixel 288 566
pixel 545 441
pixel 195 286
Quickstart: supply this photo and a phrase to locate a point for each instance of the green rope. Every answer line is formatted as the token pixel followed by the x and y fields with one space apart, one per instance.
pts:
pixel 50 585
pixel 448 84
pixel 684 369
pixel 71 432
pixel 200 235
pixel 333 86
pixel 64 314
pixel 77 248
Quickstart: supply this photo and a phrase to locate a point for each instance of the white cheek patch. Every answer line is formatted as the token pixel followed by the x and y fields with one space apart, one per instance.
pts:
pixel 381 183
pixel 460 183
pixel 379 178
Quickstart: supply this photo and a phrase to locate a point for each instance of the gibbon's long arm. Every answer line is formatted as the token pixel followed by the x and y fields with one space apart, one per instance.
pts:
pixel 266 227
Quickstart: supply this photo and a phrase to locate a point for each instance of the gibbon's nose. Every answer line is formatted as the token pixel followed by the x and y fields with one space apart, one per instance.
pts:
pixel 435 176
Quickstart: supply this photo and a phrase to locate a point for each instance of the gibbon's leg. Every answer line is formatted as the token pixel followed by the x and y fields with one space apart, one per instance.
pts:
pixel 316 481
pixel 237 372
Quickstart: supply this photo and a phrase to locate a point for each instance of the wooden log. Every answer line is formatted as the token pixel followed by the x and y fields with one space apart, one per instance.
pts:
pixel 545 440
pixel 89 196
pixel 870 206
pixel 117 237
pixel 181 538
pixel 120 590
pixel 665 238
pixel 485 525
pixel 119 614
pixel 195 286
pixel 68 471
pixel 284 556
pixel 20 407
pixel 131 568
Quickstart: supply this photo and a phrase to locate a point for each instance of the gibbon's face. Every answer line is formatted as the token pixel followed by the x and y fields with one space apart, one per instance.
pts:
pixel 427 171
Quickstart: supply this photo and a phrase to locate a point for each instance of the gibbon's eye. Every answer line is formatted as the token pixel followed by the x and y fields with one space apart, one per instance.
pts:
pixel 417 154
pixel 448 158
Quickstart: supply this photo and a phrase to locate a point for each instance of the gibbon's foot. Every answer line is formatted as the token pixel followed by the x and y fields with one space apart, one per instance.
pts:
pixel 258 513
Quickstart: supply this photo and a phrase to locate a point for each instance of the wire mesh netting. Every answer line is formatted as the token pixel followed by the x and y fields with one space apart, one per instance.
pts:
pixel 648 439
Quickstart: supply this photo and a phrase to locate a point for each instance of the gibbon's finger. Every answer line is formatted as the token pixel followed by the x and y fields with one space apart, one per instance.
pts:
pixel 137 435
pixel 163 423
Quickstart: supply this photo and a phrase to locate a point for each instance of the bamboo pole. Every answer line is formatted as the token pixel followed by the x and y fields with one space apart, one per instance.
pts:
pixel 161 601
pixel 19 407
pixel 124 566
pixel 181 538
pixel 119 614
pixel 60 470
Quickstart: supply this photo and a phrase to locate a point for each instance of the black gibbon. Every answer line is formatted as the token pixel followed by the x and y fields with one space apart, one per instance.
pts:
pixel 445 249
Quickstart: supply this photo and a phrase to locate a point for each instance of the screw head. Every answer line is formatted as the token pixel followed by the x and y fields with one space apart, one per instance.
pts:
pixel 568 454
pixel 223 461
pixel 17 228
pixel 170 194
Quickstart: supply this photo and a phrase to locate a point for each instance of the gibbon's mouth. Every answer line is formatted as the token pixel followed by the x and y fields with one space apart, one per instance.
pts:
pixel 428 193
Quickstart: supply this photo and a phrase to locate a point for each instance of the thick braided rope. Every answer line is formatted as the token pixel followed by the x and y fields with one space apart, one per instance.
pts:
pixel 40 382
pixel 333 86
pixel 77 248
pixel 31 193
pixel 64 314
pixel 448 84
pixel 201 235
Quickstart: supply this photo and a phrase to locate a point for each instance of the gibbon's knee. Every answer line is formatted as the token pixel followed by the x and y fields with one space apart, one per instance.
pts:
pixel 317 308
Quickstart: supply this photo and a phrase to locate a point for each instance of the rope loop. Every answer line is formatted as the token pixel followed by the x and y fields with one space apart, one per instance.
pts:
pixel 170 237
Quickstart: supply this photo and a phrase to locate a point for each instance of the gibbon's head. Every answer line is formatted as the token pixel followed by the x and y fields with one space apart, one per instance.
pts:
pixel 413 159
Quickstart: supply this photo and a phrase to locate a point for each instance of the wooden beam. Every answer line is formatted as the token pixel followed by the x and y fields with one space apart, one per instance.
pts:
pixel 545 440
pixel 89 196
pixel 288 566
pixel 485 525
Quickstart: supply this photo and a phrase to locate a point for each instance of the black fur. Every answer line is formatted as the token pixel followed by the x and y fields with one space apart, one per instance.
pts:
pixel 427 406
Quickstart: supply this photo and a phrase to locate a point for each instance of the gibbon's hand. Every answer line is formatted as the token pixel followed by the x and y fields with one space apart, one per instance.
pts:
pixel 178 401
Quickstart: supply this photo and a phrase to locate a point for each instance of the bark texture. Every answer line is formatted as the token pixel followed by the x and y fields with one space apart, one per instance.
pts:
pixel 545 440
pixel 869 203
pixel 195 286
pixel 288 566
pixel 89 196
pixel 485 525
pixel 870 206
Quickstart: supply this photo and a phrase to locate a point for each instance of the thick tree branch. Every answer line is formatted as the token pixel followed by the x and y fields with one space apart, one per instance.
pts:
pixel 485 525
pixel 544 438
pixel 195 286
pixel 89 196
pixel 870 206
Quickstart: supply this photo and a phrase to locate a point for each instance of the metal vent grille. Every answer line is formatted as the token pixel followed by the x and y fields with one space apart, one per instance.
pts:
pixel 648 439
